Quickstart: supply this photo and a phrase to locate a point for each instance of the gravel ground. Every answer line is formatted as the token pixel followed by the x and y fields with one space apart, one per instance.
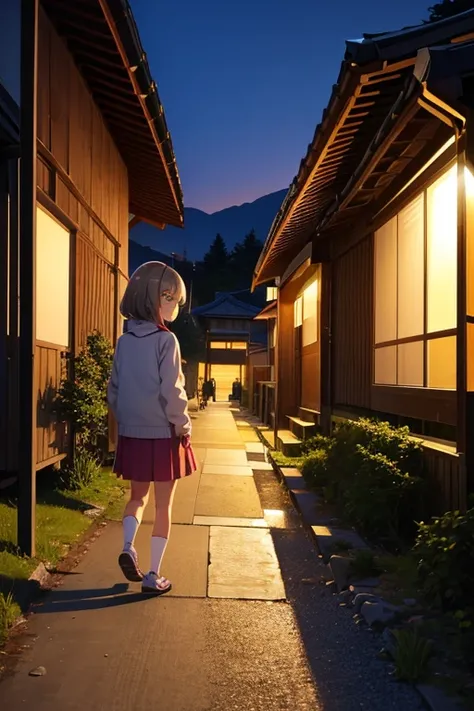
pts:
pixel 342 655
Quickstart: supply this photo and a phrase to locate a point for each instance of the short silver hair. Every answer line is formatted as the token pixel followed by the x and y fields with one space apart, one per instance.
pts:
pixel 147 285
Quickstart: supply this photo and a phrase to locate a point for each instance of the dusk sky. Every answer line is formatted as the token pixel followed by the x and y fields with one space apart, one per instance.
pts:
pixel 244 83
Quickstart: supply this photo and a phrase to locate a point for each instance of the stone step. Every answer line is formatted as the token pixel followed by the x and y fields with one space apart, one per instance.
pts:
pixel 288 443
pixel 308 415
pixel 301 428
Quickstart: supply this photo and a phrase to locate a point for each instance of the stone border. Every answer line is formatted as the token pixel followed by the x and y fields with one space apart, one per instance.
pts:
pixel 362 595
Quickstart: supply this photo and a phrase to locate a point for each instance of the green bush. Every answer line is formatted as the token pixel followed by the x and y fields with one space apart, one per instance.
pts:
pixel 364 564
pixel 377 437
pixel 315 470
pixel 315 443
pixel 378 494
pixel 444 550
pixel 82 399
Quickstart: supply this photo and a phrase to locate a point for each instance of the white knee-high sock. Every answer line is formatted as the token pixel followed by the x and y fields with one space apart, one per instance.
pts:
pixel 158 547
pixel 130 528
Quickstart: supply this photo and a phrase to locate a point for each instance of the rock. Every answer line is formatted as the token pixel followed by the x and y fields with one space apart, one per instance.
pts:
pixel 378 613
pixel 437 700
pixel 361 598
pixel 389 641
pixel 361 590
pixel 409 602
pixel 94 512
pixel 344 597
pixel 38 671
pixel 341 568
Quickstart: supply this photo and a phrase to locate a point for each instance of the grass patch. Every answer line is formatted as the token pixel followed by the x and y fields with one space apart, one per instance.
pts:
pixel 283 461
pixel 60 521
pixel 9 611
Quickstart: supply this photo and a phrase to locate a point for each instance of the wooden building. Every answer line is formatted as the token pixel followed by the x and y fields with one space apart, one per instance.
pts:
pixel 373 248
pixel 103 153
pixel 232 337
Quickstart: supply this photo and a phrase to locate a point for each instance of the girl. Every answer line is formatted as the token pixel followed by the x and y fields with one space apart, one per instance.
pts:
pixel 146 394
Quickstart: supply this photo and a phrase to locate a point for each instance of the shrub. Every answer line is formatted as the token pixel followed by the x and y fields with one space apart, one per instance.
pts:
pixel 82 399
pixel 315 443
pixel 379 491
pixel 411 655
pixel 444 549
pixel 315 470
pixel 84 470
pixel 364 565
pixel 377 437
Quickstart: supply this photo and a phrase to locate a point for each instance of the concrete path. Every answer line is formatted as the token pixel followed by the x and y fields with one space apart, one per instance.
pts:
pixel 216 642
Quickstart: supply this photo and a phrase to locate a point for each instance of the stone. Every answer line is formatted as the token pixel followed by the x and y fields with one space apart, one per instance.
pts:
pixel 437 700
pixel 38 671
pixel 341 568
pixel 344 597
pixel 378 613
pixel 409 602
pixel 362 598
pixel 389 641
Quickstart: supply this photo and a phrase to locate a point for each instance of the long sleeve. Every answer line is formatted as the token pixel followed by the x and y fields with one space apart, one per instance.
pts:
pixel 172 384
pixel 112 387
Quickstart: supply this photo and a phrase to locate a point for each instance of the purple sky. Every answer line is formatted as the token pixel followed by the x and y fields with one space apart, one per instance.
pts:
pixel 244 83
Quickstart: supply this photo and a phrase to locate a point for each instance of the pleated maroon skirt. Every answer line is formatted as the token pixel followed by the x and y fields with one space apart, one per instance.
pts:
pixel 153 459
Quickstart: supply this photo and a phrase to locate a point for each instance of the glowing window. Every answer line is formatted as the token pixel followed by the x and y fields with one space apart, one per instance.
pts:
pixel 298 312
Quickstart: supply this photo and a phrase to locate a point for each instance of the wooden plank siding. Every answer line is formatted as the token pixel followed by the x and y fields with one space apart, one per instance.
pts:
pixel 84 176
pixel 447 483
pixel 71 127
pixel 352 326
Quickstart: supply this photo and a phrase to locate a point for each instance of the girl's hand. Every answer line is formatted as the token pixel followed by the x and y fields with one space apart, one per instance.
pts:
pixel 186 441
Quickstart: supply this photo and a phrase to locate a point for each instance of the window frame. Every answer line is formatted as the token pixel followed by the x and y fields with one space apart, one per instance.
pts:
pixel 426 336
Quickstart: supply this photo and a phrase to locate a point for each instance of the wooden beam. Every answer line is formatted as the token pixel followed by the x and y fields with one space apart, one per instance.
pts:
pixel 27 391
pixel 118 41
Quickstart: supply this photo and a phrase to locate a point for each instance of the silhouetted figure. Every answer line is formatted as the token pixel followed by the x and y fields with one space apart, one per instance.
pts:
pixel 237 390
pixel 214 386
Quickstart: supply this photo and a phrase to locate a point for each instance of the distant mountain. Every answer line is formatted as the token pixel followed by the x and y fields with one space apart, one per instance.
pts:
pixel 233 224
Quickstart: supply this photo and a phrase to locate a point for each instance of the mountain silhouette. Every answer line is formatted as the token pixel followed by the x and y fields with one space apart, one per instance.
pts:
pixel 200 229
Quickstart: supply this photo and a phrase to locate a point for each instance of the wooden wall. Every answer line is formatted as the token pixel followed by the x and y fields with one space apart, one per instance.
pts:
pixel 83 181
pixel 352 325
pixel 93 191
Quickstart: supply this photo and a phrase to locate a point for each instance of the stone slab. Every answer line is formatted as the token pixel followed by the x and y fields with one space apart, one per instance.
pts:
pixel 226 456
pixel 328 536
pixel 261 466
pixel 185 499
pixel 256 447
pixel 306 502
pixel 244 565
pixel 230 521
pixel 186 558
pixel 221 495
pixel 229 469
pixel 295 482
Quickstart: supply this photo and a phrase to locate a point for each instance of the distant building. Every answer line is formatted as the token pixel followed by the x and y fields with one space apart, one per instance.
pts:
pixel 232 335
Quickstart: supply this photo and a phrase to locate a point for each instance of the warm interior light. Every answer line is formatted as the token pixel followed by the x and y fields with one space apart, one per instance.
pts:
pixel 298 312
pixel 310 314
pixel 272 292
pixel 442 252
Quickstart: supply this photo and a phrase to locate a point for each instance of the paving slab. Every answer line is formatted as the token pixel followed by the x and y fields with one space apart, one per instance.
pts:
pixel 185 561
pixel 221 495
pixel 230 521
pixel 256 447
pixel 306 502
pixel 244 565
pixel 185 499
pixel 226 456
pixel 261 466
pixel 229 469
pixel 327 537
pixel 249 437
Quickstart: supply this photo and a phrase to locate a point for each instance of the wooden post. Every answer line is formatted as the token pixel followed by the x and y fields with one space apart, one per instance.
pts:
pixel 27 393
pixel 465 340
pixel 325 368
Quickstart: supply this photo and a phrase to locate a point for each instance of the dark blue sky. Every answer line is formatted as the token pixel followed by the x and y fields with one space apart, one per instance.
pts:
pixel 244 83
